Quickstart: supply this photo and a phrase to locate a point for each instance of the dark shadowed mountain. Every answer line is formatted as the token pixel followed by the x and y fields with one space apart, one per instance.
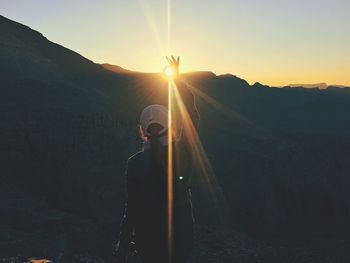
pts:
pixel 118 69
pixel 316 85
pixel 280 155
pixel 322 85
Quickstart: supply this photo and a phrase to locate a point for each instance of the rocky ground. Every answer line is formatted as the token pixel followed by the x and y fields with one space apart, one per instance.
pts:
pixel 214 244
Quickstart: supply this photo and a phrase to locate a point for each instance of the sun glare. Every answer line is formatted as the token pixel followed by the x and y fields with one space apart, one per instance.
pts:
pixel 169 72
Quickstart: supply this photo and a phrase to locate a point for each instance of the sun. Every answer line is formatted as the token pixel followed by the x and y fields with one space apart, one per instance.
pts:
pixel 169 72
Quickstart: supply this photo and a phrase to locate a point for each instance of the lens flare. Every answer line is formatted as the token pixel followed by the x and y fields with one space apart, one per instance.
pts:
pixel 169 72
pixel 201 161
pixel 170 172
pixel 230 113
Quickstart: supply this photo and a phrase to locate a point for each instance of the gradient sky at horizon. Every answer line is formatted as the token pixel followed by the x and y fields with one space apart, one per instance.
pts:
pixel 275 42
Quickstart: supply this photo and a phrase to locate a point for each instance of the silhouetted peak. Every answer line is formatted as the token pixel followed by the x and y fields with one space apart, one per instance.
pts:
pixel 234 80
pixel 227 75
pixel 259 85
pixel 19 31
pixel 30 56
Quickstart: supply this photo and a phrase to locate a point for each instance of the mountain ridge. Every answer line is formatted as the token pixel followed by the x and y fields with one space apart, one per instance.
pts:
pixel 7 24
pixel 278 156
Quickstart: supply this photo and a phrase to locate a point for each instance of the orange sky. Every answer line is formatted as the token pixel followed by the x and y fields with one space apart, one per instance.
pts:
pixel 272 42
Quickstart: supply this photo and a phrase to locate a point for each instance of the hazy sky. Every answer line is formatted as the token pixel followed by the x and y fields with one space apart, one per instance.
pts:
pixel 275 42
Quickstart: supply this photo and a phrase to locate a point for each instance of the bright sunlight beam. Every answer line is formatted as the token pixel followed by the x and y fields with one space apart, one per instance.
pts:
pixel 153 27
pixel 201 162
pixel 170 172
pixel 169 72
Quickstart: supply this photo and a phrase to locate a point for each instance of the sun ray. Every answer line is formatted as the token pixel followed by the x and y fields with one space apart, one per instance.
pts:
pixel 170 148
pixel 153 27
pixel 169 25
pixel 219 106
pixel 170 172
pixel 230 113
pixel 201 161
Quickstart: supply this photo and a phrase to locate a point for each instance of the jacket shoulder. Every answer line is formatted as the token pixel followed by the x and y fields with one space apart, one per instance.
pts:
pixel 136 158
pixel 136 167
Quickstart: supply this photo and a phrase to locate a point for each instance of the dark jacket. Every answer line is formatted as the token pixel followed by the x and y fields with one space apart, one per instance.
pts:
pixel 146 207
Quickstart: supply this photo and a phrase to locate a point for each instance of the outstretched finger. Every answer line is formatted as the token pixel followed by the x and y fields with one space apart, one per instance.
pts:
pixel 174 59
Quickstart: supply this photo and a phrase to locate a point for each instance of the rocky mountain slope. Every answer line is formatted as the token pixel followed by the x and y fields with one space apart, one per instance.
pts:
pixel 279 155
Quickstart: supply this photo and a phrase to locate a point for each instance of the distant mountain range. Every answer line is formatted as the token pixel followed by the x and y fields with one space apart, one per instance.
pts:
pixel 68 125
pixel 322 85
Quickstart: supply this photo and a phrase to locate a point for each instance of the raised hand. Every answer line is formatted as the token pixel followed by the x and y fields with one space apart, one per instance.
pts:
pixel 174 64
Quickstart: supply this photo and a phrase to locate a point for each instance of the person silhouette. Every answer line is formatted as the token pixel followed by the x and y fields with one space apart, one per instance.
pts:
pixel 145 221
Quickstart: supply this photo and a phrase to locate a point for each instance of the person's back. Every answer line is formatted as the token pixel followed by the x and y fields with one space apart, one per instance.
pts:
pixel 146 215
pixel 147 189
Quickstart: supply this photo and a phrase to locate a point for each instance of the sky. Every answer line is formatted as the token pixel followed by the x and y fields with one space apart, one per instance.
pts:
pixel 274 42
